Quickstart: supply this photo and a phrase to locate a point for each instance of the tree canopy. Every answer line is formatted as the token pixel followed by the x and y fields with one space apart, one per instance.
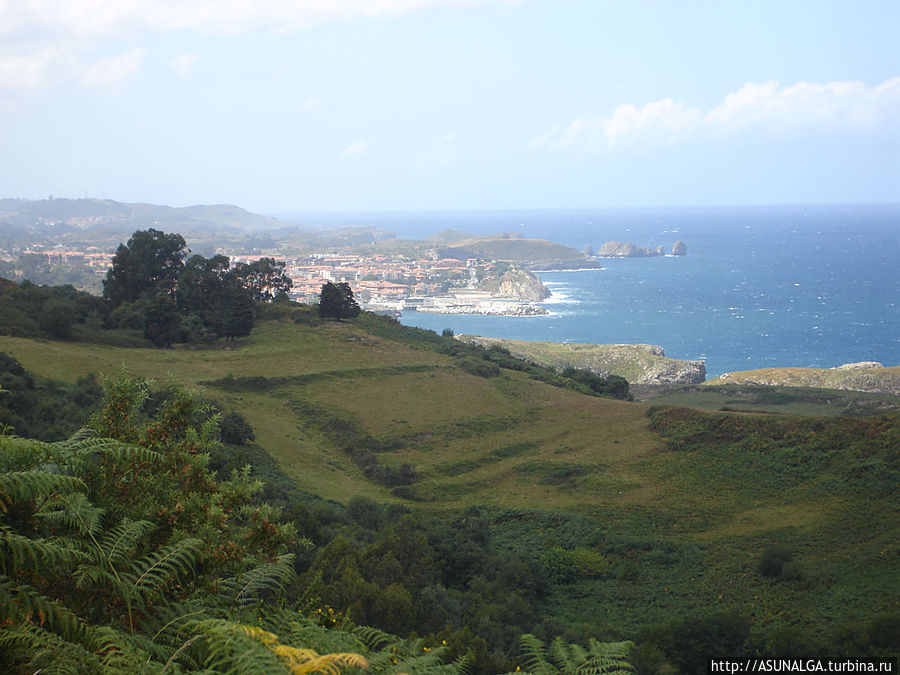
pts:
pixel 148 265
pixel 336 301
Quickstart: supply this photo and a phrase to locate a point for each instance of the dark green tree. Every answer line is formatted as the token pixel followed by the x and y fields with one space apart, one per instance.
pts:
pixel 148 265
pixel 264 278
pixel 163 323
pixel 238 311
pixel 336 301
pixel 201 284
pixel 57 317
pixel 209 290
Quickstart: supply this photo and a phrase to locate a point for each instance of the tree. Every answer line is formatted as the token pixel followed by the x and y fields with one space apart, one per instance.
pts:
pixel 264 278
pixel 211 292
pixel 201 283
pixel 56 318
pixel 237 311
pixel 163 322
pixel 336 301
pixel 149 264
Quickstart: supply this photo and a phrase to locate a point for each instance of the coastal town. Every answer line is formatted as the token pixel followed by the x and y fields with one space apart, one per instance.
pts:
pixel 380 282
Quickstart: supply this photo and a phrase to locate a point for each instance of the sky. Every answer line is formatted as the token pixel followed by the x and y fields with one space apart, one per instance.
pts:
pixel 289 106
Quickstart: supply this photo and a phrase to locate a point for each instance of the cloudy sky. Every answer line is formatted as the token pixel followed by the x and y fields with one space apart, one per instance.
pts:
pixel 307 105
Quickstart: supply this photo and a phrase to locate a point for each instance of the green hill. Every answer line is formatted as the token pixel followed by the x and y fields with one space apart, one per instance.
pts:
pixel 515 249
pixel 676 506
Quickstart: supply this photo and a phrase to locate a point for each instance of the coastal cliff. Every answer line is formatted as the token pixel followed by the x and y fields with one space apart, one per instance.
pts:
pixel 639 364
pixel 866 376
pixel 517 283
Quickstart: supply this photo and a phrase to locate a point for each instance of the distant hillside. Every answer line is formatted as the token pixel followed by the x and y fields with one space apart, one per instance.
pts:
pixel 62 215
pixel 867 377
pixel 639 364
pixel 516 249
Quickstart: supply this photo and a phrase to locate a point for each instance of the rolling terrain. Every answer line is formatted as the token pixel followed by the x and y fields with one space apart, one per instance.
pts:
pixel 680 504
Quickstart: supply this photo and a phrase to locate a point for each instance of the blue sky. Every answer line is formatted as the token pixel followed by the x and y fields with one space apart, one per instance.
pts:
pixel 308 105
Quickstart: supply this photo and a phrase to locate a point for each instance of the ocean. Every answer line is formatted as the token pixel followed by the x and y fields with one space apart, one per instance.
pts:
pixel 814 286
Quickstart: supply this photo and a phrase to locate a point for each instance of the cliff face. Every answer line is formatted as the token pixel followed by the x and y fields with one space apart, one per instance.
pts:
pixel 867 376
pixel 518 283
pixel 639 364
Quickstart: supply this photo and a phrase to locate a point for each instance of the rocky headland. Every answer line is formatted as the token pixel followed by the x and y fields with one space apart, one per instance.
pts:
pixel 865 376
pixel 639 364
pixel 517 283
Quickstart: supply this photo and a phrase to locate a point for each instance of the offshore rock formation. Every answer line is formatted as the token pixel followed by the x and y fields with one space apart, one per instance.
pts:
pixel 639 364
pixel 626 249
pixel 867 376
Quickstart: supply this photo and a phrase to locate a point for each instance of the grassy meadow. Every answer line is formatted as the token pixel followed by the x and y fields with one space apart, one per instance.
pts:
pixel 678 503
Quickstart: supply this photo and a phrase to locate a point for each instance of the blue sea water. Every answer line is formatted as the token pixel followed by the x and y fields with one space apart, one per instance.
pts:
pixel 813 286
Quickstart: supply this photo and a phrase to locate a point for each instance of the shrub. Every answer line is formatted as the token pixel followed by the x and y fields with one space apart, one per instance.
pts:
pixel 479 367
pixel 559 564
pixel 773 560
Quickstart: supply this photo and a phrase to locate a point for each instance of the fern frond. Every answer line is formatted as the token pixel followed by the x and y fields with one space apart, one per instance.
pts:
pixel 373 638
pixel 226 647
pixel 250 586
pixel 118 544
pixel 607 658
pixel 164 565
pixel 18 487
pixel 17 551
pixel 329 664
pixel 534 657
pixel 122 652
pixel 39 650
pixel 74 510
pixel 85 448
pixel 562 656
pixel 23 454
pixel 22 604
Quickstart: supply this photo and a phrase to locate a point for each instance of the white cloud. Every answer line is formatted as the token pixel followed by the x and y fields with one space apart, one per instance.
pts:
pixel 309 104
pixel 439 154
pixel 49 66
pixel 113 71
pixel 355 148
pixel 47 41
pixel 759 108
pixel 183 64
pixel 32 70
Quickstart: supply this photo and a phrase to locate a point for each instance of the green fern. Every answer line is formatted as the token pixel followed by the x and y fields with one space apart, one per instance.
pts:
pixel 600 658
pixel 253 585
pixel 75 511
pixel 29 487
pixel 17 552
pixel 39 650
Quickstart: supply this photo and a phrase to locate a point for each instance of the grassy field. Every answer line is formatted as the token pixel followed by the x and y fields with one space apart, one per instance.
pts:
pixel 680 504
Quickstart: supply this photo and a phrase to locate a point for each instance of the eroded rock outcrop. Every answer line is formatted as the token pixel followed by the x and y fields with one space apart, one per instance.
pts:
pixel 639 364
pixel 517 283
pixel 866 376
